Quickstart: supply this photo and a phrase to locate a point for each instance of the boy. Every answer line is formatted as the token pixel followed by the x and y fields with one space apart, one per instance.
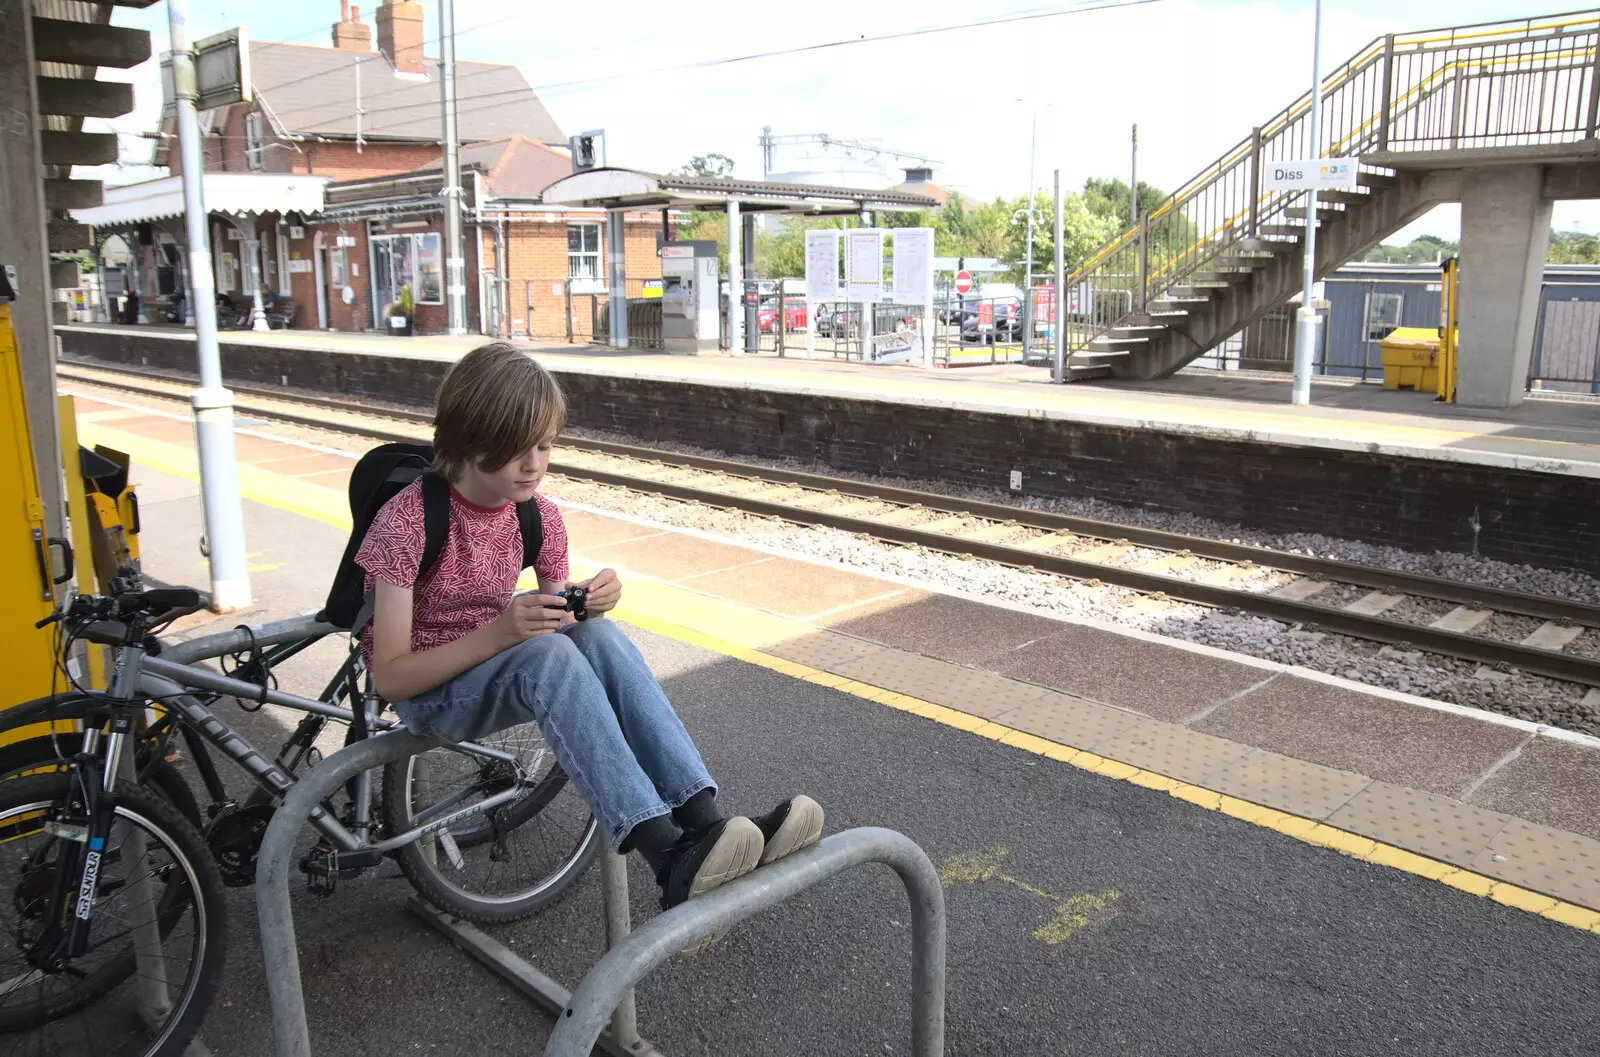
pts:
pixel 461 655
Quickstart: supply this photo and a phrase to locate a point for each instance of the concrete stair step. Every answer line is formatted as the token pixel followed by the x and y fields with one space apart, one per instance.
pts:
pixel 1092 356
pixel 1348 198
pixel 1295 231
pixel 1324 210
pixel 1086 372
pixel 1118 344
pixel 1176 305
pixel 1160 319
pixel 1244 262
pixel 1275 246
pixel 1375 179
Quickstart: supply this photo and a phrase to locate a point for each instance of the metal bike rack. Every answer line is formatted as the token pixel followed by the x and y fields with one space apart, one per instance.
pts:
pixel 607 990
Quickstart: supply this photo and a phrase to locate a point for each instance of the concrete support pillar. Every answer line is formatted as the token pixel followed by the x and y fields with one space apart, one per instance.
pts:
pixel 735 281
pixel 23 246
pixel 1505 233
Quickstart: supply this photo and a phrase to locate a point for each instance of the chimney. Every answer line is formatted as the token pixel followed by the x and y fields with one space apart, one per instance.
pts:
pixel 350 33
pixel 400 35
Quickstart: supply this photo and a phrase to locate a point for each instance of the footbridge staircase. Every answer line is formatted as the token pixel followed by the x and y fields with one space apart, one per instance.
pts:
pixel 1420 110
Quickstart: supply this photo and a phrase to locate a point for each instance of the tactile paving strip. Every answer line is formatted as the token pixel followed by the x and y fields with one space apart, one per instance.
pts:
pixel 1282 782
pixel 967 689
pixel 1427 824
pixel 1564 865
pixel 1072 720
pixel 1186 755
pixel 823 649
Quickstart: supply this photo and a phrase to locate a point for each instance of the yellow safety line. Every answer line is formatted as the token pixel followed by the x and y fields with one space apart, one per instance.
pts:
pixel 1308 831
pixel 268 488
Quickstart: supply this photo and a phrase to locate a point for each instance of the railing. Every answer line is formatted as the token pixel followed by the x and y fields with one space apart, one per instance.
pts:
pixel 1507 84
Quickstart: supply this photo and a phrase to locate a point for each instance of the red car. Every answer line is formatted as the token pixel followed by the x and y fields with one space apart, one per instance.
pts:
pixel 794 315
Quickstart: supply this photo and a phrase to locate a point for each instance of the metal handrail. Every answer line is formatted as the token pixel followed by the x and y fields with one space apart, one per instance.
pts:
pixel 1514 82
pixel 629 960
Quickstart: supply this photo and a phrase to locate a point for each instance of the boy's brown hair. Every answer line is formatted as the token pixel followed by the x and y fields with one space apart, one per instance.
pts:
pixel 495 403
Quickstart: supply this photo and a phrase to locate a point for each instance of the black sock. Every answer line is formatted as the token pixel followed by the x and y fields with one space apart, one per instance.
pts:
pixel 699 811
pixel 655 839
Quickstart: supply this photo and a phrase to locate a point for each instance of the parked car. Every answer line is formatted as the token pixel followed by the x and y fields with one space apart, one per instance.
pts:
pixel 992 322
pixel 794 314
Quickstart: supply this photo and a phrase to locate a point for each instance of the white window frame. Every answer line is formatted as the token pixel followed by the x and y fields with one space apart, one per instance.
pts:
pixel 418 240
pixel 1374 321
pixel 586 265
pixel 254 150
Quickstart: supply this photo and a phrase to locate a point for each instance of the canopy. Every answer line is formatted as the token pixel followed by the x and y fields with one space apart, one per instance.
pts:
pixel 633 189
pixel 224 193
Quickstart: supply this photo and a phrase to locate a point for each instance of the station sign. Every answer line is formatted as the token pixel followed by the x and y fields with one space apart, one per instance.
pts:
pixel 1318 174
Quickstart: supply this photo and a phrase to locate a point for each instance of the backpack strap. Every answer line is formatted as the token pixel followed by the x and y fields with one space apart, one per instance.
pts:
pixel 532 523
pixel 435 521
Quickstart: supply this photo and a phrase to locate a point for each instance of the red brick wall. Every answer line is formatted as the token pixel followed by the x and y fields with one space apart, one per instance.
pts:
pixel 537 251
pixel 340 161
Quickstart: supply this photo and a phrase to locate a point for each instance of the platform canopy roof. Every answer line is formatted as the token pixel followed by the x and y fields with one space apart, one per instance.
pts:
pixel 224 193
pixel 633 189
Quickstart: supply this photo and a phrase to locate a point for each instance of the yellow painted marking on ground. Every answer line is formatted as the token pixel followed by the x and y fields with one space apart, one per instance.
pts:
pixel 1072 913
pixel 1077 913
pixel 741 630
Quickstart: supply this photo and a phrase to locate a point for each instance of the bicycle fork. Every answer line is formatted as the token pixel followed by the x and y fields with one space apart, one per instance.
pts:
pixel 85 851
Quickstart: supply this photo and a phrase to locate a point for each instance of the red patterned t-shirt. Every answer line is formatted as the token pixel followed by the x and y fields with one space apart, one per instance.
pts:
pixel 476 573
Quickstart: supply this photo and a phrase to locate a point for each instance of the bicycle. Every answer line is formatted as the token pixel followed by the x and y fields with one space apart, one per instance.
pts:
pixel 93 812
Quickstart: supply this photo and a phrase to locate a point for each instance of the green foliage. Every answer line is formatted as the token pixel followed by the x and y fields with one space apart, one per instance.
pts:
pixel 1108 197
pixel 1573 247
pixel 404 305
pixel 713 165
pixel 1426 249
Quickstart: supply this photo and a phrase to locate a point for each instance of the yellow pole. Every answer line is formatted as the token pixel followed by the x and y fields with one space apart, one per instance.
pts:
pixel 82 534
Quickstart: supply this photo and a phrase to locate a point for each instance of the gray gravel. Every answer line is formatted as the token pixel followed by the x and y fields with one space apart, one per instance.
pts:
pixel 1511 693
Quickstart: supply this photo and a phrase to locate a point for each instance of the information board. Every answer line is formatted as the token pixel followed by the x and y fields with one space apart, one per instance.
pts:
pixel 913 265
pixel 822 266
pixel 864 266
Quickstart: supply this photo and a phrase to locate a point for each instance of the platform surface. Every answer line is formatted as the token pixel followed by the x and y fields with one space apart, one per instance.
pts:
pixel 1148 847
pixel 1547 434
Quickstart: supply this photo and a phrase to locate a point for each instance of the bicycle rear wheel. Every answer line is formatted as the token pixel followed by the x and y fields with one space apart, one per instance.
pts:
pixel 156 942
pixel 506 863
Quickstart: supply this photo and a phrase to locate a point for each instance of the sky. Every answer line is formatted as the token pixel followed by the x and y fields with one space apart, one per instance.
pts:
pixel 1195 75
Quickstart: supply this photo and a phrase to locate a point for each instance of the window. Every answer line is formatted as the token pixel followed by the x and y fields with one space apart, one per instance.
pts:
pixel 1383 315
pixel 583 252
pixel 412 260
pixel 254 153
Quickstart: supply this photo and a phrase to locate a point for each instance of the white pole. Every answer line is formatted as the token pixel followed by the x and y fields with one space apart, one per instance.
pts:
pixel 1027 282
pixel 455 264
pixel 1058 326
pixel 1306 345
pixel 213 405
pixel 618 297
pixel 735 281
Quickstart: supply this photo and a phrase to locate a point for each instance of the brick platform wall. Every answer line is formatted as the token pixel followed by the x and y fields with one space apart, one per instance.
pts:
pixel 1543 519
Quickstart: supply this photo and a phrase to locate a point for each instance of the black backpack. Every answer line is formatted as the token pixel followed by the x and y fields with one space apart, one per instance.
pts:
pixel 377 476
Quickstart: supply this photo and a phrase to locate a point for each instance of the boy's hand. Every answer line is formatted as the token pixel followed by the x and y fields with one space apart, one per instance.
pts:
pixel 605 591
pixel 528 616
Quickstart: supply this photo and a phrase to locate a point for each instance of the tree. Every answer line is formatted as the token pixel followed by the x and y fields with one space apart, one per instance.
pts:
pixel 1108 197
pixel 1573 247
pixel 717 166
pixel 1426 249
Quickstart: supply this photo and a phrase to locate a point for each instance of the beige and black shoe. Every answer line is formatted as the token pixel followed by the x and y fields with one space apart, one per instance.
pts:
pixel 794 824
pixel 709 859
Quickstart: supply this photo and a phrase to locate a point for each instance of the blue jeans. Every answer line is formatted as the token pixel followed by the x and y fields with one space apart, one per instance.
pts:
pixel 600 710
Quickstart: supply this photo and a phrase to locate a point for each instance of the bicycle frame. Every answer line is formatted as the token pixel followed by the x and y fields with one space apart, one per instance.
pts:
pixel 172 678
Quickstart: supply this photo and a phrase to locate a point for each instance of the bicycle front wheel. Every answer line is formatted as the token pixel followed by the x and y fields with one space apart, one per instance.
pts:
pixel 508 862
pixel 155 950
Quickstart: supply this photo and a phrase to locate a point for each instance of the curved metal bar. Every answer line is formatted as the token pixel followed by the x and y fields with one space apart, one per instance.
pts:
pixel 278 953
pixel 642 951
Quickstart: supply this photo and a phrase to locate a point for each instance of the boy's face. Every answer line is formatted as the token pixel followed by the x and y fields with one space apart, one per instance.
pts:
pixel 520 478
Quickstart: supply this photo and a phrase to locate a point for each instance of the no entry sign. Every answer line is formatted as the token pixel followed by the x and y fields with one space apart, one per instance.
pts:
pixel 963 282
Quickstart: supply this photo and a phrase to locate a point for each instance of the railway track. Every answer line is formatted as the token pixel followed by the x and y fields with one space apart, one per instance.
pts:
pixel 1358 600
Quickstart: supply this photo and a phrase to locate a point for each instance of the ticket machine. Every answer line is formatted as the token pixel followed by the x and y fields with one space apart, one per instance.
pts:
pixel 690 318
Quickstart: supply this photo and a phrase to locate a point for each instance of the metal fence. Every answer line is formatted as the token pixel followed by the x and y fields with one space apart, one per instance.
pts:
pixel 1361 312
pixel 574 311
pixel 1514 83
